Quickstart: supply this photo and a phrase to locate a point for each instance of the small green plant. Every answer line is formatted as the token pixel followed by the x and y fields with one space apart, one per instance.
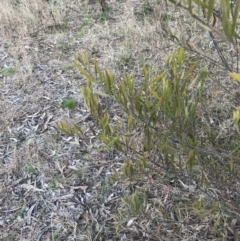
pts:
pixel 56 136
pixel 86 20
pixel 105 16
pixel 8 71
pixel 134 203
pixel 69 104
pixel 68 67
pixel 30 169
pixel 165 16
pixel 7 45
pixel 127 61
pixel 53 184
pixel 146 9
pixel 65 26
pixel 21 213
pixel 81 173
pixel 65 46
pixel 81 33
pixel 55 237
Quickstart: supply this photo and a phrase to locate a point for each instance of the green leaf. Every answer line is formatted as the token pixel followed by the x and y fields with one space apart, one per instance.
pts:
pixel 197 205
pixel 131 122
pixel 108 81
pixel 191 159
pixel 225 6
pixel 130 83
pixel 190 6
pixel 83 71
pixel 231 164
pixel 180 56
pixel 210 9
pixel 235 76
pixel 187 76
pixel 79 58
pixel 64 127
pixel 235 16
pixel 98 71
pixel 236 118
pixel 77 128
pixel 146 72
pixel 87 64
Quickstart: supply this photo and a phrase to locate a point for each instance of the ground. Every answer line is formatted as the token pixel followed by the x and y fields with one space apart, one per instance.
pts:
pixel 55 187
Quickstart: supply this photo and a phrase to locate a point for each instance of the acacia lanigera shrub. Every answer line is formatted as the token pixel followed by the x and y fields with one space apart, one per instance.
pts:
pixel 160 112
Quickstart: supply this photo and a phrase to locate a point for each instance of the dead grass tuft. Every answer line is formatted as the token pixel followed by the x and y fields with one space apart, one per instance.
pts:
pixel 24 17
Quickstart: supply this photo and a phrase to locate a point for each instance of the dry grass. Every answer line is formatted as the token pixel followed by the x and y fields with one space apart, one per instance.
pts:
pixel 53 187
pixel 21 18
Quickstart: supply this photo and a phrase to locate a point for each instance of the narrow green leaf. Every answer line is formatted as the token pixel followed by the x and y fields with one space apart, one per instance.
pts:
pixel 98 71
pixel 197 205
pixel 87 64
pixel 210 9
pixel 187 76
pixel 108 81
pixel 130 83
pixel 180 56
pixel 231 164
pixel 131 122
pixel 77 128
pixel 190 6
pixel 225 6
pixel 64 127
pixel 191 159
pixel 235 76
pixel 79 58
pixel 144 160
pixel 146 72
pixel 235 16
pixel 83 71
pixel 138 99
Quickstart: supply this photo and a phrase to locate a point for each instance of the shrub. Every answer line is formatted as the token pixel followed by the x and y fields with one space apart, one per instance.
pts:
pixel 164 124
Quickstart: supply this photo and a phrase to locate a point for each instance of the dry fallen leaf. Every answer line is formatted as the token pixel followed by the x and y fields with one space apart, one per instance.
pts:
pixel 79 187
pixel 130 222
pixel 29 213
pixel 31 187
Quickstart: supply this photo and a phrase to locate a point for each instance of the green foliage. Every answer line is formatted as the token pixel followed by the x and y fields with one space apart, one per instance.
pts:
pixel 87 19
pixel 8 71
pixel 65 26
pixel 31 169
pixel 236 118
pixel 69 129
pixel 134 203
pixel 162 120
pixel 68 67
pixel 105 16
pixel 169 99
pixel 146 9
pixel 163 125
pixel 69 104
pixel 227 12
pixel 21 213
